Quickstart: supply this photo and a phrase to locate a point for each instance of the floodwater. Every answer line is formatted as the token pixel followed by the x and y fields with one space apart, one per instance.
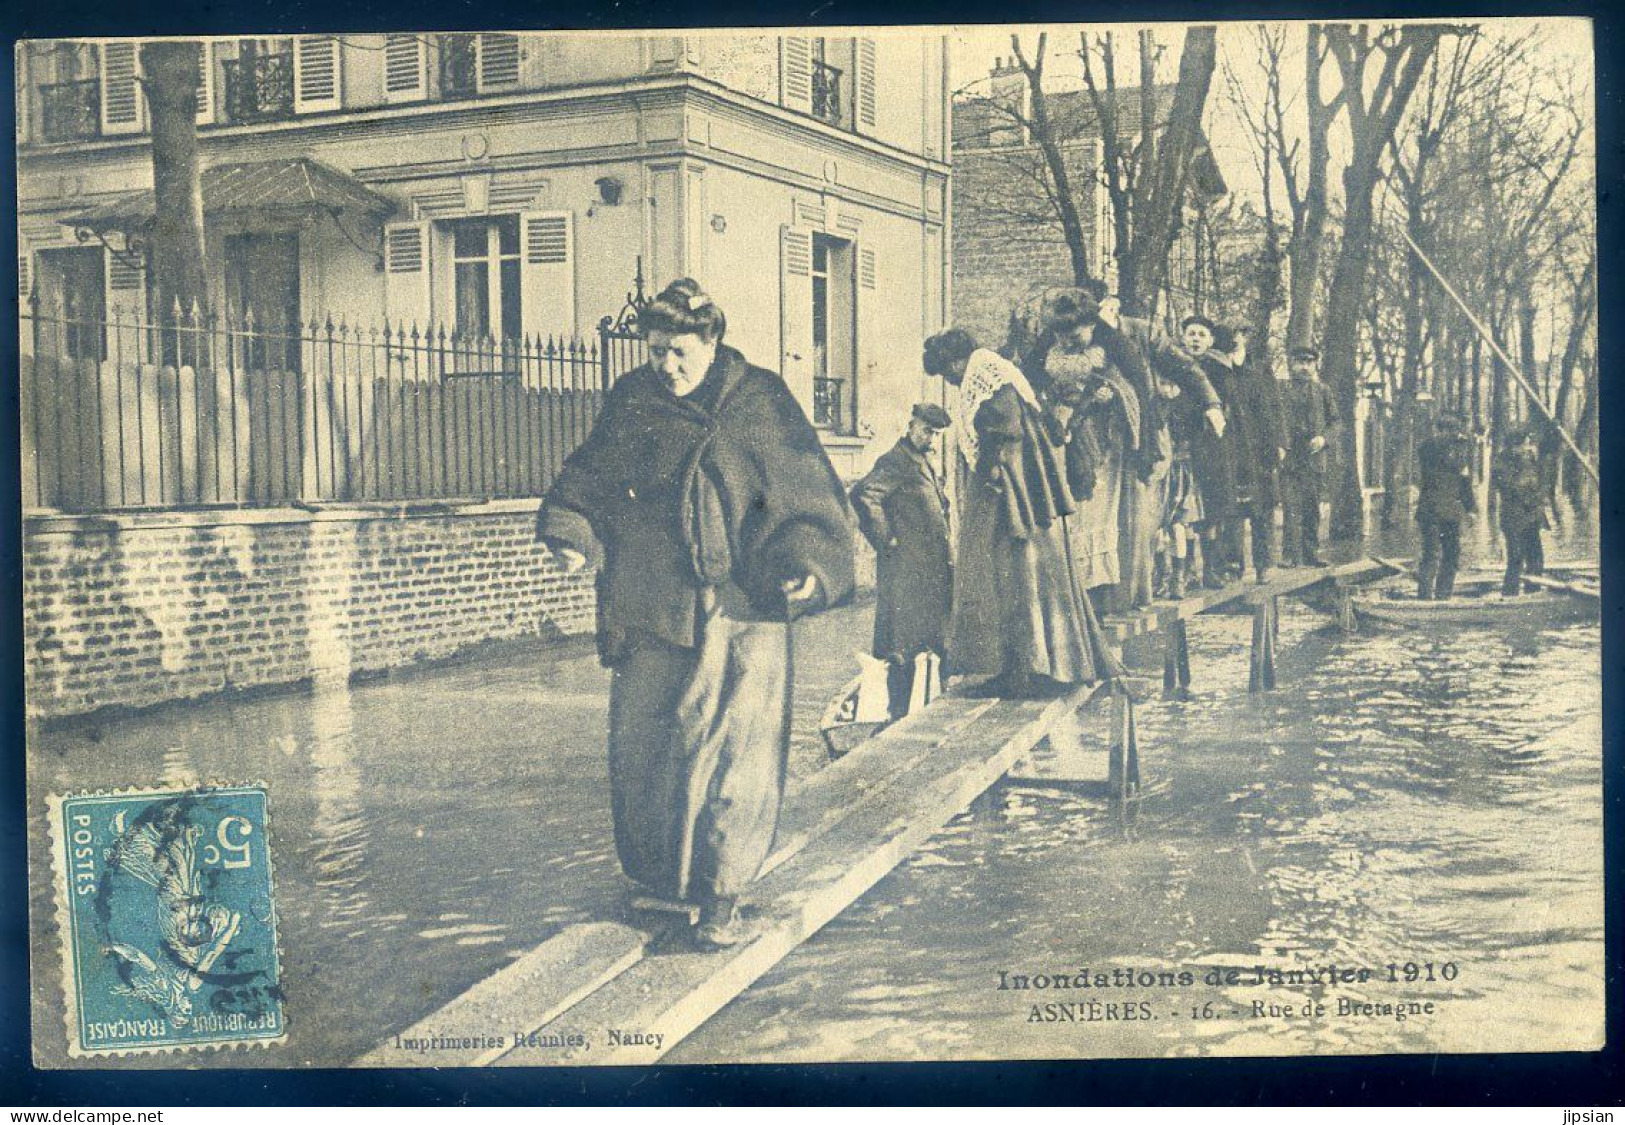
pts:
pixel 1402 799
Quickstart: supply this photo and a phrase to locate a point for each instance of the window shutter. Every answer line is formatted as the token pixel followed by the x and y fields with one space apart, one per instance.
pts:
pixel 795 73
pixel 315 73
pixel 123 105
pixel 25 276
pixel 498 61
pixel 406 76
pixel 126 283
pixel 866 267
pixel 406 275
pixel 795 313
pixel 865 92
pixel 205 83
pixel 547 273
pixel 125 302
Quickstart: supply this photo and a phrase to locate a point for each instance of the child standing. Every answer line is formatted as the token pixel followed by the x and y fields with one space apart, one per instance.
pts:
pixel 1181 498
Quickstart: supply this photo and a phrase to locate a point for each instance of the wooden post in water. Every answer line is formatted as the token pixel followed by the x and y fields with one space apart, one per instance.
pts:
pixel 1261 675
pixel 1176 659
pixel 1123 769
pixel 1347 622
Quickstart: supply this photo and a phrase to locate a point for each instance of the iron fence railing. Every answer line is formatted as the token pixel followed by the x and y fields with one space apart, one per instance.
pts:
pixel 259 87
pixel 827 412
pixel 826 92
pixel 127 413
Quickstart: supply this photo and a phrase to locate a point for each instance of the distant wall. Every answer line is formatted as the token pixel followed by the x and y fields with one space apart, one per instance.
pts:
pixel 140 609
pixel 137 609
pixel 1000 253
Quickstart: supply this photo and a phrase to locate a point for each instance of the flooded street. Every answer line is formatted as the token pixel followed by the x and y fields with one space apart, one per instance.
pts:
pixel 1403 798
pixel 426 828
pixel 1400 799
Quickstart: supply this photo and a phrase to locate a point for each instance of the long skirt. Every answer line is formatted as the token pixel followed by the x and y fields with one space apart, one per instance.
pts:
pixel 1016 607
pixel 1092 531
pixel 1139 519
pixel 699 745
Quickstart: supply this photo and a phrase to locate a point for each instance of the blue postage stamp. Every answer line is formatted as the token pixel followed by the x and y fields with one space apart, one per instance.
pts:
pixel 168 920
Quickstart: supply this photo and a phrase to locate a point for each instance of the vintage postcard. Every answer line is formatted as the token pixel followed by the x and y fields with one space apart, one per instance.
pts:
pixel 811 545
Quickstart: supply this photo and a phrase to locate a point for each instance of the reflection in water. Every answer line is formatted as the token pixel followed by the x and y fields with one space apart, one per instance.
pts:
pixel 339 827
pixel 179 768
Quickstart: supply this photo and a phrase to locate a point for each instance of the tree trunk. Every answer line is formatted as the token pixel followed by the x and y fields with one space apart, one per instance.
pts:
pixel 170 69
pixel 1305 249
pixel 1340 356
pixel 1584 307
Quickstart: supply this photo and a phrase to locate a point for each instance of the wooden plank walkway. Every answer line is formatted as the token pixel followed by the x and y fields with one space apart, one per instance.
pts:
pixel 1287 583
pixel 596 994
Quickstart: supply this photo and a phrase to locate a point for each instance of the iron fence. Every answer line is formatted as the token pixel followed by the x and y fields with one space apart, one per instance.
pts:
pixel 129 413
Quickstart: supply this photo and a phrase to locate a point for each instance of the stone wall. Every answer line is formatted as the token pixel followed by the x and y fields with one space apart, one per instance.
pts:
pixel 140 609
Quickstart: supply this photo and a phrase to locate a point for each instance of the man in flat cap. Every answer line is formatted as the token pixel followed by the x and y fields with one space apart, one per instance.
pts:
pixel 1311 421
pixel 903 512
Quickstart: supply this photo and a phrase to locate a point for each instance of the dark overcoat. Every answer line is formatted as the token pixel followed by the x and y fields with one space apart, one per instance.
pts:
pixel 1254 429
pixel 903 512
pixel 1445 491
pixel 738 497
pixel 1310 412
pixel 1518 480
pixel 1124 353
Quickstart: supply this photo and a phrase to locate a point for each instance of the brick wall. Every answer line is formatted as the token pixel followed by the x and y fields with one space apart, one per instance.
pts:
pixel 1007 241
pixel 139 609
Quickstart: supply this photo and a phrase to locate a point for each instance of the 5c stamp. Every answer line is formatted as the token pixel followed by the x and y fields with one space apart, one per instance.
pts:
pixel 168 920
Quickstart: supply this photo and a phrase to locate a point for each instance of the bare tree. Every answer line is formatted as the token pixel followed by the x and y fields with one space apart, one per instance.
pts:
pixel 1148 182
pixel 1308 201
pixel 1044 135
pixel 1374 109
pixel 1157 223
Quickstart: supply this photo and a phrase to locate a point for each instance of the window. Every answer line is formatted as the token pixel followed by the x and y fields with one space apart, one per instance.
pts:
pixel 262 290
pixel 833 302
pixel 473 64
pixel 73 303
pixel 826 85
pixel 259 81
pixel 71 102
pixel 485 277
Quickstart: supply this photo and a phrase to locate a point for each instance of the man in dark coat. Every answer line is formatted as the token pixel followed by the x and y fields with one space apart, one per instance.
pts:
pixel 1311 420
pixel 1520 485
pixel 1255 438
pixel 903 512
pixel 1444 500
pixel 721 521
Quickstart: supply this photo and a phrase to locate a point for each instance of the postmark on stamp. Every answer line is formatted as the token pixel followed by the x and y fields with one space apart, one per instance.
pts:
pixel 168 920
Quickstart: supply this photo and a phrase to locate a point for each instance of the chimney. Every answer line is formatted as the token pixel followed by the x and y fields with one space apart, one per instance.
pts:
pixel 1007 86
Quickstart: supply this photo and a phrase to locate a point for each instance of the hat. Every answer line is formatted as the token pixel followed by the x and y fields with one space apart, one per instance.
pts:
pixel 1202 320
pixel 932 415
pixel 1304 352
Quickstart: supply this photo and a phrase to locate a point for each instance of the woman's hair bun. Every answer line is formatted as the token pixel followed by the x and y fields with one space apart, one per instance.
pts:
pixel 681 308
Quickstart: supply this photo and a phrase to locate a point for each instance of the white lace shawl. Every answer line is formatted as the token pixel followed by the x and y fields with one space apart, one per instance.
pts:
pixel 985 374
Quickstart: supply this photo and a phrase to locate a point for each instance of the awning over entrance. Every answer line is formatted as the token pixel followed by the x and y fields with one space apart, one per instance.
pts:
pixel 260 189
